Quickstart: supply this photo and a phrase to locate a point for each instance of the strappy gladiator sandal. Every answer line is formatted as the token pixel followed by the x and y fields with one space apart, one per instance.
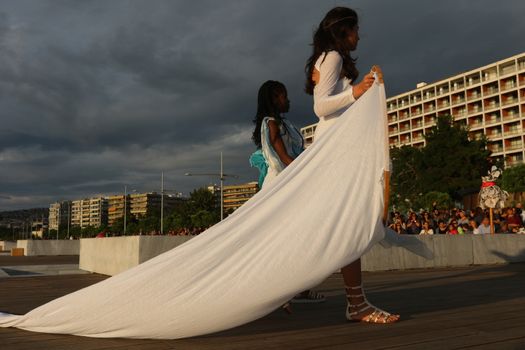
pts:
pixel 353 310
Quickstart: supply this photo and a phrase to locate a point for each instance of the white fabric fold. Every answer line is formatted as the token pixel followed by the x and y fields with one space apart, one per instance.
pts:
pixel 321 213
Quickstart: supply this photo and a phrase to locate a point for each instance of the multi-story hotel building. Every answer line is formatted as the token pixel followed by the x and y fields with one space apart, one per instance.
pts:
pixel 59 215
pixel 236 195
pixel 89 212
pixel 490 100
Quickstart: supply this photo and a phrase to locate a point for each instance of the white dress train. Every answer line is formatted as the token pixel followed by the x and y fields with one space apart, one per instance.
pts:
pixel 321 213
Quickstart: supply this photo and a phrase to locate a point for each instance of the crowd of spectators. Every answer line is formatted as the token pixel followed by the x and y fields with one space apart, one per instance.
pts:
pixel 458 221
pixel 194 231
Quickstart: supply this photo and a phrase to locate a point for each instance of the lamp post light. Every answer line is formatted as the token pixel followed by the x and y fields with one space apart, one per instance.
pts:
pixel 222 177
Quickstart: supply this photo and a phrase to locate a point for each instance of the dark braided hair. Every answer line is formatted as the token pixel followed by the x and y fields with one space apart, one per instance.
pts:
pixel 332 34
pixel 266 106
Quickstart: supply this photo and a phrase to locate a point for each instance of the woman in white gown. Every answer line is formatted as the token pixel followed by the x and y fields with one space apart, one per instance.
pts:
pixel 288 238
pixel 330 72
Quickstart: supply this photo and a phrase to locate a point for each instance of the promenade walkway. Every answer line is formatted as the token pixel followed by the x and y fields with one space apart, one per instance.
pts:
pixel 479 307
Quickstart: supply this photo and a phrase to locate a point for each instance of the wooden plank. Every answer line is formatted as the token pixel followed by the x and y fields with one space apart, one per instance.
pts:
pixel 476 306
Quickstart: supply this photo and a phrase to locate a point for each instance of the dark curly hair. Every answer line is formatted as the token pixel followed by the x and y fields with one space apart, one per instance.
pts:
pixel 332 35
pixel 266 106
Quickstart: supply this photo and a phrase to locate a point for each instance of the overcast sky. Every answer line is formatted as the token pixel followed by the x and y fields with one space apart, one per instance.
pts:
pixel 95 95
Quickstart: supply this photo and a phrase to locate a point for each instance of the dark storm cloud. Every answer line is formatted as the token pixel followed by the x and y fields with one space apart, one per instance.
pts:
pixel 98 94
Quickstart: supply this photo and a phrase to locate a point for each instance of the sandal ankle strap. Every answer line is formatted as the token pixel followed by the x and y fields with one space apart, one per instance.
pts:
pixel 355 287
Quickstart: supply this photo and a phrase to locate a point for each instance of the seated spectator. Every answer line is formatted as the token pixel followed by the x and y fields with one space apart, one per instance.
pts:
pixel 473 226
pixel 426 229
pixel 452 229
pixel 442 228
pixel 463 219
pixel 484 228
pixel 504 228
pixel 512 220
pixel 398 227
pixel 426 217
pixel 478 215
pixel 465 229
pixel 413 226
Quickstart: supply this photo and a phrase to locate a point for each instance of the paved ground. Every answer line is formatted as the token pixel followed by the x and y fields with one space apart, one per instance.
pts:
pixel 466 308
pixel 24 266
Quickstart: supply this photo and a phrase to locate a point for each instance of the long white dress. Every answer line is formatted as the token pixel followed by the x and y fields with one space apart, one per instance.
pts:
pixel 322 212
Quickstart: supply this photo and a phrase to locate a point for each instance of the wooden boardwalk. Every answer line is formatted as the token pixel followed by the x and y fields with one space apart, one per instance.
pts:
pixel 466 308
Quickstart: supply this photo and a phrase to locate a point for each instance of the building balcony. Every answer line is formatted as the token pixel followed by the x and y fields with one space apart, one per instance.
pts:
pixel 513 147
pixel 476 125
pixel 510 117
pixel 507 87
pixel 513 132
pixel 474 111
pixel 474 97
pixel 510 102
pixel 458 101
pixel 495 135
pixel 491 91
pixel 491 106
pixel 514 162
pixel 508 70
pixel 492 121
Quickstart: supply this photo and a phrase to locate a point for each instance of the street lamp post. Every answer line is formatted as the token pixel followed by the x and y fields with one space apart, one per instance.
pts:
pixel 221 176
pixel 162 203
pixel 125 207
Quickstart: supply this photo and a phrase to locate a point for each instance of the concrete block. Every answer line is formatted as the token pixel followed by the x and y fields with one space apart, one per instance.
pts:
pixel 151 246
pixel 7 245
pixel 112 255
pixel 499 248
pixel 35 247
pixel 453 250
pixel 109 255
pixel 411 260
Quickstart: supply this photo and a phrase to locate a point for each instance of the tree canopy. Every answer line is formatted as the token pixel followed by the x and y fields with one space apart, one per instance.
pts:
pixel 513 179
pixel 450 163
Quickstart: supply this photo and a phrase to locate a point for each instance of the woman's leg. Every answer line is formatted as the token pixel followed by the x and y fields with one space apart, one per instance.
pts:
pixel 358 307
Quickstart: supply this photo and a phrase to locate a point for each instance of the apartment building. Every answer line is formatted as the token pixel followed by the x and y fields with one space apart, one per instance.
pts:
pixel 236 195
pixel 59 215
pixel 142 204
pixel 116 206
pixel 89 212
pixel 490 100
